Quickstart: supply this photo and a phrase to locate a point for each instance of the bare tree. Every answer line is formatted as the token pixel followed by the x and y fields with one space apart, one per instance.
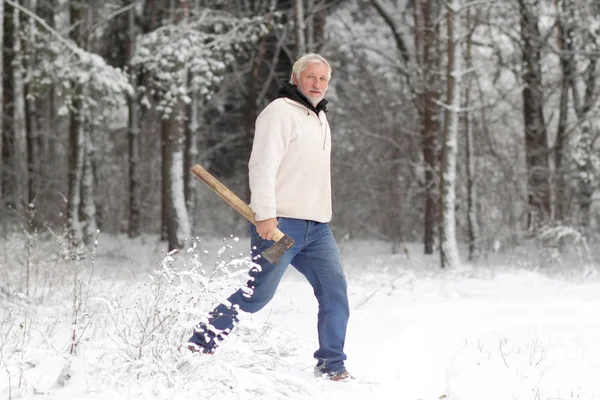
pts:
pixel 473 226
pixel 448 243
pixel 561 150
pixel 133 227
pixel 76 142
pixel 19 150
pixel 426 39
pixel 587 131
pixel 536 136
pixel 425 81
pixel 31 112
pixel 1 105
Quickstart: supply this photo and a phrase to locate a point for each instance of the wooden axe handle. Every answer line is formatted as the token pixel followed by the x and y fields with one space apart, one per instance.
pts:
pixel 229 197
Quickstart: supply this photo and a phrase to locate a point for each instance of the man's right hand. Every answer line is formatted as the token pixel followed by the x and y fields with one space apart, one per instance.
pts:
pixel 266 228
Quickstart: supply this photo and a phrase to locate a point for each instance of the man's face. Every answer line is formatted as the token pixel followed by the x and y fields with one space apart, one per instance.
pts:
pixel 313 82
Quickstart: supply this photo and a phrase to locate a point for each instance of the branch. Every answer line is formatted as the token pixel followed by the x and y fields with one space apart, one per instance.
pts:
pixel 43 23
pixel 397 35
pixel 109 17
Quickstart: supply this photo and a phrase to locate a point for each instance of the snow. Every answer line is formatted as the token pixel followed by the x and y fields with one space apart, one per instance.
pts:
pixel 487 331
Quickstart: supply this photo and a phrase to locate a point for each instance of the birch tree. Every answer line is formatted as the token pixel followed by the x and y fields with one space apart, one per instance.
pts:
pixel 448 243
pixel 173 139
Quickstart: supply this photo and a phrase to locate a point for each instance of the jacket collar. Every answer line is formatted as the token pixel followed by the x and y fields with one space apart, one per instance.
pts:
pixel 290 91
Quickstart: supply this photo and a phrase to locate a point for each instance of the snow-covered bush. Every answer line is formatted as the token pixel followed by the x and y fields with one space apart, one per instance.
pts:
pixel 76 75
pixel 191 57
pixel 158 315
pixel 557 242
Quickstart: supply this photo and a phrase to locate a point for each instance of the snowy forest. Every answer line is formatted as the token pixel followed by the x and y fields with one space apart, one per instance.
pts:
pixel 455 122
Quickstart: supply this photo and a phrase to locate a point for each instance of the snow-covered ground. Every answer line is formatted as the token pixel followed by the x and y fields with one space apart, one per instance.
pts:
pixel 487 331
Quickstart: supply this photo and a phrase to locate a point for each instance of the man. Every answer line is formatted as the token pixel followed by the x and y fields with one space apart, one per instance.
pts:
pixel 290 184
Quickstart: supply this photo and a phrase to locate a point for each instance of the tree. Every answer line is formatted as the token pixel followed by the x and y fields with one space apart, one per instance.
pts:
pixel 77 138
pixel 300 28
pixel 470 170
pixel 426 38
pixel 585 152
pixel 31 113
pixel 448 243
pixel 180 60
pixel 1 106
pixel 173 138
pixel 424 78
pixel 134 143
pixel 87 85
pixel 561 148
pixel 536 136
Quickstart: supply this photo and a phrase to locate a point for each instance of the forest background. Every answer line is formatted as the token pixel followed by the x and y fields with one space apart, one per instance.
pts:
pixel 456 124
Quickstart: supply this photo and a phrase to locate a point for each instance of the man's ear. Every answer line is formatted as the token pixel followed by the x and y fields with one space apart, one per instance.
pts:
pixel 294 80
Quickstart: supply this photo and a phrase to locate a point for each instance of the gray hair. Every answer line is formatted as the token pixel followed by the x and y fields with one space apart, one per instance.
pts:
pixel 301 64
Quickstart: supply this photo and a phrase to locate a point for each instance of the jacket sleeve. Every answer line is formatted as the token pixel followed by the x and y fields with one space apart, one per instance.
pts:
pixel 271 140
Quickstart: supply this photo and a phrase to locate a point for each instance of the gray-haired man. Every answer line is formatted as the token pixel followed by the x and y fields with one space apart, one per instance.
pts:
pixel 290 184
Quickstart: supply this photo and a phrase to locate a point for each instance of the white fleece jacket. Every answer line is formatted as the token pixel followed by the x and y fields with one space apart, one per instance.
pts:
pixel 290 163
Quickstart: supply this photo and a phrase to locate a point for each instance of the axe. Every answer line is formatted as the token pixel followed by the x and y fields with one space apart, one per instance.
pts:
pixel 282 241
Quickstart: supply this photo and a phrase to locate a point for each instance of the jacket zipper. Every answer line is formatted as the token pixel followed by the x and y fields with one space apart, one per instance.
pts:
pixel 320 122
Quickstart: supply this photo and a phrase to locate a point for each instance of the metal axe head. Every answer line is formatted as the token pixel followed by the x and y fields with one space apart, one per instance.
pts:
pixel 274 253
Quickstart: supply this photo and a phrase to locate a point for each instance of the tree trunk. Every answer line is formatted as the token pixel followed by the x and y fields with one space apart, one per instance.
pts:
pixel 448 244
pixel 191 151
pixel 568 69
pixel 1 107
pixel 76 160
pixel 173 137
pixel 310 27
pixel 584 149
pixel 425 40
pixel 178 229
pixel 48 134
pixel 474 240
pixel 299 24
pixel 19 151
pixel 88 183
pixel 32 119
pixel 536 140
pixel 133 139
pixel 76 148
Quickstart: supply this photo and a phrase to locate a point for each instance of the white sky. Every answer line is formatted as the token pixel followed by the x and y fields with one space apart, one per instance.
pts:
pixel 485 332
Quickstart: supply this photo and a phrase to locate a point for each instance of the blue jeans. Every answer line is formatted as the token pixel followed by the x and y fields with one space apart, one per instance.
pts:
pixel 316 256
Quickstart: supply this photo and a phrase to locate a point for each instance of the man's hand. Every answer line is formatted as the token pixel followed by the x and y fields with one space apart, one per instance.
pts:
pixel 266 228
